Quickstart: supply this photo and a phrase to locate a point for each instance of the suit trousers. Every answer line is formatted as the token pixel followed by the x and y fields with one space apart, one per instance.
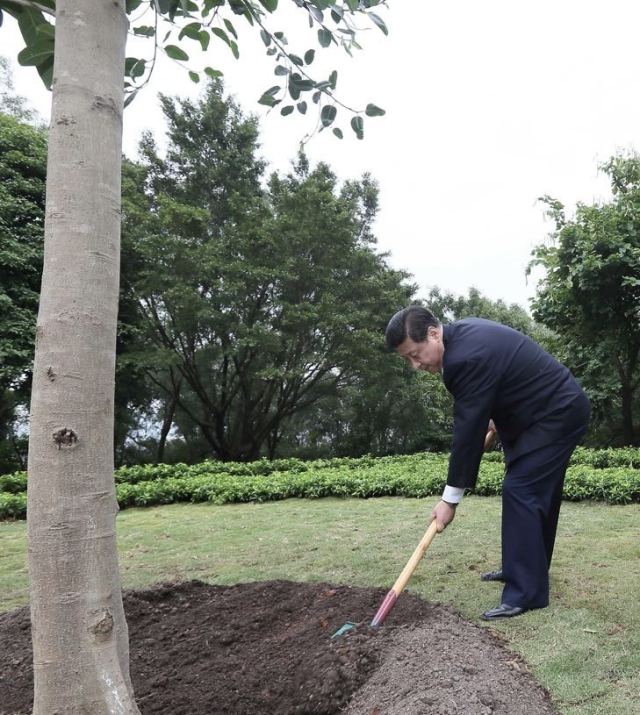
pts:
pixel 531 499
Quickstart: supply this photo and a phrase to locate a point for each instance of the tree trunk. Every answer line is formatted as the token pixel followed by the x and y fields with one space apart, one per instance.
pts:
pixel 80 638
pixel 167 423
pixel 626 393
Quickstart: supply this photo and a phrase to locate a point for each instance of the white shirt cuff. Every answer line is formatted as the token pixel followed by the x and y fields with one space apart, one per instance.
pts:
pixel 453 494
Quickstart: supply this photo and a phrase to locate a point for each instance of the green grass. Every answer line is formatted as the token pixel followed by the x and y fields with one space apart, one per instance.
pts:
pixel 585 648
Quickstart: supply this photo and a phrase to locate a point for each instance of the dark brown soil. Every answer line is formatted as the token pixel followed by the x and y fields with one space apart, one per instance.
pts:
pixel 266 649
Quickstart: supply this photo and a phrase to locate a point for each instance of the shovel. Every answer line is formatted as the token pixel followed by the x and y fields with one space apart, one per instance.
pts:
pixel 402 580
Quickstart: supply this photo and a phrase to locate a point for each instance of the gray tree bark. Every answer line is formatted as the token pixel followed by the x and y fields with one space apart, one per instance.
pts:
pixel 80 638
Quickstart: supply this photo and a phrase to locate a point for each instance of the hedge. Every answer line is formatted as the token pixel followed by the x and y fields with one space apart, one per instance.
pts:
pixel 612 476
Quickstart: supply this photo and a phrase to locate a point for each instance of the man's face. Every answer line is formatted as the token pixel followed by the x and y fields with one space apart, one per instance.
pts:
pixel 426 355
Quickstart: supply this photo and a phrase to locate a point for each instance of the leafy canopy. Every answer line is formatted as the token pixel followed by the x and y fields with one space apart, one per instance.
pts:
pixel 590 295
pixel 175 26
pixel 23 159
pixel 254 302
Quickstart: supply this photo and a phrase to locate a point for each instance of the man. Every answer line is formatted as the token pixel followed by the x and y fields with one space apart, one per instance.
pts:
pixel 540 413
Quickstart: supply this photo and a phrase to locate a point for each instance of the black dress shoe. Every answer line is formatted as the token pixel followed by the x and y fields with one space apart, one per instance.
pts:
pixel 492 576
pixel 504 610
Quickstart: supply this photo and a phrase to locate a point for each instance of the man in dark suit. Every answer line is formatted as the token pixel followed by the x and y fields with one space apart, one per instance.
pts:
pixel 540 413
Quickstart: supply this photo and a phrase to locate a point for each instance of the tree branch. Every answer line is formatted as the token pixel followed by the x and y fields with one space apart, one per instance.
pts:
pixel 29 5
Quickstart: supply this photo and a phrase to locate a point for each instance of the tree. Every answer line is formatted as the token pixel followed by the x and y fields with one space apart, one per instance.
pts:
pixel 452 307
pixel 79 630
pixel 176 210
pixel 391 408
pixel 258 303
pixel 590 295
pixel 11 103
pixel 386 410
pixel 23 152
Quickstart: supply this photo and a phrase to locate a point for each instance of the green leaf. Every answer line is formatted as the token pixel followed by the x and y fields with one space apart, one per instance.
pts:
pixel 302 107
pixel 281 70
pixel 176 53
pixel 301 85
pixel 164 6
pixel 315 13
pixel 46 30
pixel 134 67
pixel 266 37
pixel 379 22
pixel 214 74
pixel 338 132
pixel 269 5
pixel 231 28
pixel 188 6
pixel 324 37
pixel 309 56
pixel 219 32
pixel 373 111
pixel 205 38
pixel 130 97
pixel 357 124
pixel 296 60
pixel 353 4
pixel 328 114
pixel 144 31
pixel 28 21
pixel 285 111
pixel 36 53
pixel 268 100
pixel 195 77
pixel 237 7
pixel 45 70
pixel 191 30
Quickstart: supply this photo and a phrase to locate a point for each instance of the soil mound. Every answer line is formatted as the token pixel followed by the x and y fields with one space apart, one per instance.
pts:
pixel 266 649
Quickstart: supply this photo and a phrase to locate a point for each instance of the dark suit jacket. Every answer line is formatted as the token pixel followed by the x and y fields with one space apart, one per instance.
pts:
pixel 495 372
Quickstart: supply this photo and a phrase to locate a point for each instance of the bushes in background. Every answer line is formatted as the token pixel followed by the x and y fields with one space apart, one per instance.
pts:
pixel 610 475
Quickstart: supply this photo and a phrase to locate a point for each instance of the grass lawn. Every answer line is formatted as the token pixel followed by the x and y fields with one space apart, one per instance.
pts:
pixel 585 648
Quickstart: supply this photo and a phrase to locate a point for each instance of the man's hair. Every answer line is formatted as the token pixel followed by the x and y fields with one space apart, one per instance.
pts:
pixel 413 323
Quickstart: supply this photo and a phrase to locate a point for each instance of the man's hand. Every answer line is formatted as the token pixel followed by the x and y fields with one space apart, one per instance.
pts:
pixel 443 514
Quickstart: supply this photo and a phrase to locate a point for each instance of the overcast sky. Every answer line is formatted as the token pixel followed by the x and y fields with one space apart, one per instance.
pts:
pixel 490 105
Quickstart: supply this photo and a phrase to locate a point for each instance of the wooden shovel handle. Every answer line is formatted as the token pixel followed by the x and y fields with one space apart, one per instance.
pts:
pixel 407 571
pixel 417 555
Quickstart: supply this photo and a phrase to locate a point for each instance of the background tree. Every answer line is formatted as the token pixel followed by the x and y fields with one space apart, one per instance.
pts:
pixel 392 408
pixel 257 303
pixel 386 410
pixel 23 157
pixel 12 103
pixel 590 297
pixel 450 307
pixel 80 636
pixel 175 211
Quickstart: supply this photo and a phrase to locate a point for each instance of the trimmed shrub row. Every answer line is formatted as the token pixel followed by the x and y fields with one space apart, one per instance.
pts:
pixel 628 458
pixel 415 476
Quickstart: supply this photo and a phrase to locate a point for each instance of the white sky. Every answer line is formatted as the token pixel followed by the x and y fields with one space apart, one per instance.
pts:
pixel 490 105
